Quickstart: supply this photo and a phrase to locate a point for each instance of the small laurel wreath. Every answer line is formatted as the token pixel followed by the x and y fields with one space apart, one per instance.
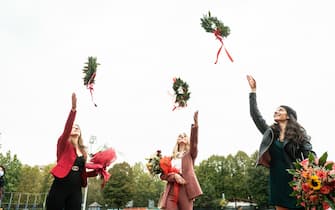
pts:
pixel 211 24
pixel 181 92
pixel 89 70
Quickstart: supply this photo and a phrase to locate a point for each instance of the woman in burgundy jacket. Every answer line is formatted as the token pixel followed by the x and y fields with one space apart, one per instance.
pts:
pixel 69 172
pixel 182 186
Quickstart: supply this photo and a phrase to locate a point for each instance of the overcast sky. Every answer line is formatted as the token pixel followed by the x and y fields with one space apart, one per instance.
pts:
pixel 288 46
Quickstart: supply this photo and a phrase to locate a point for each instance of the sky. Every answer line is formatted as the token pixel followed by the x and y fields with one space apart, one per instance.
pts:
pixel 287 46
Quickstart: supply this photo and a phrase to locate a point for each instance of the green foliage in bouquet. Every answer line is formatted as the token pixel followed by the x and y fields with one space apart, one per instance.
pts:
pixel 89 70
pixel 153 164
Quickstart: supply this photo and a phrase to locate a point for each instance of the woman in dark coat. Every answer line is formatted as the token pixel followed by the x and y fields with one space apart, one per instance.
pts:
pixel 284 142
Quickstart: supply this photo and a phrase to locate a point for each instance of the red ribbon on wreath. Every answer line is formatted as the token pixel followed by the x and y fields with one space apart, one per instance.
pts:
pixel 90 87
pixel 165 164
pixel 219 37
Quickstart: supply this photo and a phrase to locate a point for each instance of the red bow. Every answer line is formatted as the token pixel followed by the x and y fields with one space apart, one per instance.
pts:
pixel 219 37
pixel 90 87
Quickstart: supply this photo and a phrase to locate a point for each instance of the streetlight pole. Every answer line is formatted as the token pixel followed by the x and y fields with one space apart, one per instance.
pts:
pixel 0 140
pixel 91 141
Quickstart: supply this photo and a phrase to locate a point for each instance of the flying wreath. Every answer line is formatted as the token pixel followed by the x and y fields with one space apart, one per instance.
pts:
pixel 214 25
pixel 181 92
pixel 90 70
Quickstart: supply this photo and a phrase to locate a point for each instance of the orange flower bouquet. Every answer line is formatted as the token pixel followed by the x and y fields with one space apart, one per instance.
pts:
pixel 157 164
pixel 314 182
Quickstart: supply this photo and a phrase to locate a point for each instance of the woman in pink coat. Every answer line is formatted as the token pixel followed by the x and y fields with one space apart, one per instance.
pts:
pixel 182 184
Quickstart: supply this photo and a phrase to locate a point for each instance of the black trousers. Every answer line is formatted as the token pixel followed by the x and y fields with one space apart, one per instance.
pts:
pixel 64 195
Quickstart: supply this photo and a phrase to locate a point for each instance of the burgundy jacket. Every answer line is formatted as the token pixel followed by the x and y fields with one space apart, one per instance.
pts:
pixel 66 153
pixel 192 185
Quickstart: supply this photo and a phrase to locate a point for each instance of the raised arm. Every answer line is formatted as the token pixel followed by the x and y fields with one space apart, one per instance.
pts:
pixel 194 137
pixel 254 111
pixel 68 126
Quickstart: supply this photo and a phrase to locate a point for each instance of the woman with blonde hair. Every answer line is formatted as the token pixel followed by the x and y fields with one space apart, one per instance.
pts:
pixel 69 173
pixel 182 184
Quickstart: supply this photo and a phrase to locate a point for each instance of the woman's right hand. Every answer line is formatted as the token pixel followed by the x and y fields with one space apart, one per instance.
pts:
pixel 74 102
pixel 252 83
pixel 179 179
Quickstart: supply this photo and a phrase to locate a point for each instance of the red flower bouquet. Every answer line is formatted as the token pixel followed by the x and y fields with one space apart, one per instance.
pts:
pixel 157 164
pixel 314 182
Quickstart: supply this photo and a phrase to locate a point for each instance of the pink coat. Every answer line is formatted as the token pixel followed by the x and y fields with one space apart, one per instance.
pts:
pixel 192 185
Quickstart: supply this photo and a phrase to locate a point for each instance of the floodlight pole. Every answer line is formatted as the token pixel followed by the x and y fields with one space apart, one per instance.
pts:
pixel 91 141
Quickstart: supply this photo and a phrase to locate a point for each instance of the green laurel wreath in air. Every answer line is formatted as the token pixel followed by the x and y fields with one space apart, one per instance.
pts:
pixel 181 92
pixel 210 24
pixel 89 70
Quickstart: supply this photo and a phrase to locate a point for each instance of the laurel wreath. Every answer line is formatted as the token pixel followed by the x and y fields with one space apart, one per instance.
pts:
pixel 211 24
pixel 181 92
pixel 90 70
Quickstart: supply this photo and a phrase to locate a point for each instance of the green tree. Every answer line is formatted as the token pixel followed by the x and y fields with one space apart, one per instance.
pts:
pixel 239 178
pixel 95 192
pixel 119 189
pixel 146 187
pixel 257 180
pixel 208 173
pixel 47 178
pixel 31 179
pixel 13 171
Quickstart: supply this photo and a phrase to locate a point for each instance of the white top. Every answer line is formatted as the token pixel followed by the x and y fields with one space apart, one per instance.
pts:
pixel 176 163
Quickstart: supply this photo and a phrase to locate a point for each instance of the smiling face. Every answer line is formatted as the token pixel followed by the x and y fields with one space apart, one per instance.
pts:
pixel 280 115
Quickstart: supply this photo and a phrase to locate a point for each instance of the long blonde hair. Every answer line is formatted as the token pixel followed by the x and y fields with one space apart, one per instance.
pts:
pixel 176 147
pixel 81 145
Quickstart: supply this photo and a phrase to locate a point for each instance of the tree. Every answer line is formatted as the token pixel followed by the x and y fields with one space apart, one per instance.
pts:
pixel 209 174
pixel 31 180
pixel 257 180
pixel 146 187
pixel 47 178
pixel 95 192
pixel 13 171
pixel 119 189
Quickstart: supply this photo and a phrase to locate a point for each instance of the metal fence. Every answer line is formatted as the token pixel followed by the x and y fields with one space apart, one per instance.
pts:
pixel 23 201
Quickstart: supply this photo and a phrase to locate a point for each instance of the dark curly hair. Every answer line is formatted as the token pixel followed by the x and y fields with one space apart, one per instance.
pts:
pixel 294 132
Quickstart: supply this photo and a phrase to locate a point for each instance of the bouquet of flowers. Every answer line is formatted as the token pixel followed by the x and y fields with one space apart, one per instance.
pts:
pixel 314 182
pixel 100 161
pixel 157 164
pixel 153 164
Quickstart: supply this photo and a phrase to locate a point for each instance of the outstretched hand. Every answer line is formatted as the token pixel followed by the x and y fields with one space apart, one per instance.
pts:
pixel 74 101
pixel 252 83
pixel 195 117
